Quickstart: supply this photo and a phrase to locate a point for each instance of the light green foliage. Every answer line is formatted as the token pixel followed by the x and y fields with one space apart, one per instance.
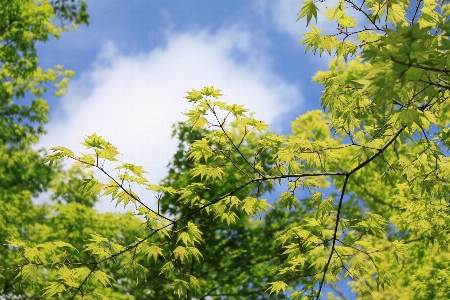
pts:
pixel 362 186
pixel 22 24
pixel 68 187
pixel 24 227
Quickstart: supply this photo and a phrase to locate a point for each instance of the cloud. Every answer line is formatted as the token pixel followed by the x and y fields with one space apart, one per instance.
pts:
pixel 133 100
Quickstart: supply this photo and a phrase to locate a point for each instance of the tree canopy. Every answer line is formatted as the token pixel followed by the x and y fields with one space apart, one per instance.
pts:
pixel 361 187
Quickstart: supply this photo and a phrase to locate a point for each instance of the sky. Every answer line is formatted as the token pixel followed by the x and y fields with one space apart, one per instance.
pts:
pixel 137 59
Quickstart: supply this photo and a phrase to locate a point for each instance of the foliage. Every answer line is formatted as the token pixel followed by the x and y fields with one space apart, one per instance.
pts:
pixel 66 187
pixel 23 24
pixel 23 112
pixel 362 186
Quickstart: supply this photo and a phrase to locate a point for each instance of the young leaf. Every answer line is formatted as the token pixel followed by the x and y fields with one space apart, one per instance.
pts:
pixel 277 286
pixel 309 10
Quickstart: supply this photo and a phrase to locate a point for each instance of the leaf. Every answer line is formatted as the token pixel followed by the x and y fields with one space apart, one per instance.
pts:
pixel 126 196
pixel 248 205
pixel 277 286
pixel 31 253
pixel 194 284
pixel 102 277
pixel 136 170
pixel 15 243
pixel 180 287
pixel 54 288
pixel 407 117
pixel 208 172
pixel 97 238
pixel 286 200
pixel 229 216
pixel 154 251
pixel 196 118
pixel 192 251
pixel 58 154
pixel 194 96
pixel 180 253
pixel 87 160
pixel 347 22
pixel 237 110
pixel 210 91
pixel 297 295
pixel 111 189
pixel 400 250
pixel 109 152
pixel 94 141
pixel 29 272
pixel 91 186
pixel 60 244
pixel 117 248
pixel 319 262
pixel 167 269
pixel 194 232
pixel 309 10
pixel 184 236
pixel 81 272
pixel 63 151
pixel 396 13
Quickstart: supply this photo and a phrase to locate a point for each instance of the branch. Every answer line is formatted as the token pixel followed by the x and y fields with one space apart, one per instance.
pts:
pixel 389 142
pixel 347 175
pixel 232 192
pixel 232 143
pixel 121 186
pixel 334 235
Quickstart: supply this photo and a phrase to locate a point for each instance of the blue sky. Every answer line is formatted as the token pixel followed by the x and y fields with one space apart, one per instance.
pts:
pixel 137 59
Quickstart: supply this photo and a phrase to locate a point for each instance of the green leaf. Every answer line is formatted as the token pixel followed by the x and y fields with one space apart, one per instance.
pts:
pixel 87 160
pixel 111 189
pixel 94 141
pixel 109 152
pixel 194 284
pixel 15 243
pixel 96 238
pixel 208 172
pixel 192 251
pixel 102 277
pixel 396 13
pixel 237 110
pixel 167 269
pixel 309 10
pixel 210 91
pixel 91 186
pixel 55 288
pixel 286 200
pixel 277 286
pixel 154 251
pixel 60 244
pixel 194 96
pixel 58 154
pixel 81 272
pixel 29 272
pixel 180 287
pixel 126 196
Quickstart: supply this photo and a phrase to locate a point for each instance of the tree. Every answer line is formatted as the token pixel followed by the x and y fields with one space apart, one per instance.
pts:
pixel 365 182
pixel 23 112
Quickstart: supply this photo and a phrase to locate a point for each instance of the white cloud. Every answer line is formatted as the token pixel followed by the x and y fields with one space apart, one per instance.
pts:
pixel 132 101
